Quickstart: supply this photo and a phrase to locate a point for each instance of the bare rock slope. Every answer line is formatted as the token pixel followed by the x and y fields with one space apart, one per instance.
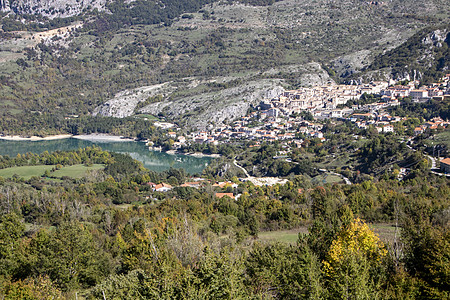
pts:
pixel 180 100
pixel 198 102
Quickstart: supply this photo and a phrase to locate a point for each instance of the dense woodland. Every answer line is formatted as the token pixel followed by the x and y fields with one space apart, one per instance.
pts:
pixel 109 233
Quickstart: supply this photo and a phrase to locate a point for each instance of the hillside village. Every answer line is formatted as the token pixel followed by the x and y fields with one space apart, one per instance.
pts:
pixel 298 113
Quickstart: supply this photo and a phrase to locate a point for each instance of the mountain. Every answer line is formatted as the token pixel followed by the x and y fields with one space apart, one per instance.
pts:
pixel 213 55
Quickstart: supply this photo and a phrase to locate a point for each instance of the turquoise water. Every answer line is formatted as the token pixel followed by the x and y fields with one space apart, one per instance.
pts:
pixel 152 160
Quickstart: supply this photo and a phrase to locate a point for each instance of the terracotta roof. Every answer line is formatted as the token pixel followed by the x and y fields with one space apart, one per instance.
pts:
pixel 221 195
pixel 161 185
pixel 445 161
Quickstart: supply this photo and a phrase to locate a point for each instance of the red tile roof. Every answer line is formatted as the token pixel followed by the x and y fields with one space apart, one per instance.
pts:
pixel 221 195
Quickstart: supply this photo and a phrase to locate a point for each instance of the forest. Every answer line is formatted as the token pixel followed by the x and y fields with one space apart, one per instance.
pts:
pixel 110 235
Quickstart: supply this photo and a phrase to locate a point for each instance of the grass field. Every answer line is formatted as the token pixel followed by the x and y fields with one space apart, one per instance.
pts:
pixel 75 171
pixel 327 178
pixel 26 172
pixel 386 232
pixel 282 236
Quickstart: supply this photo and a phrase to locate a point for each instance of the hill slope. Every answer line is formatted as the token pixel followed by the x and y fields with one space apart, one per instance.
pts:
pixel 425 56
pixel 75 71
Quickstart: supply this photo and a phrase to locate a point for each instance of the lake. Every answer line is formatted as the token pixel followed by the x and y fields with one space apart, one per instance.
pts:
pixel 152 160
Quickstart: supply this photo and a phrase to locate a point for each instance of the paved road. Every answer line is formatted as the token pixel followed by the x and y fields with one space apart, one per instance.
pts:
pixel 242 168
pixel 433 162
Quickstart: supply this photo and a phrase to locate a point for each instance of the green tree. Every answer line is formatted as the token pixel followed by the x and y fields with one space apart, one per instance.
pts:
pixel 11 231
pixel 70 257
pixel 427 257
pixel 283 272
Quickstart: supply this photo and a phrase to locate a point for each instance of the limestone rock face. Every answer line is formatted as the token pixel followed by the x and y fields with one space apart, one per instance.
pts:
pixel 124 103
pixel 197 110
pixel 4 6
pixel 216 107
pixel 51 8
pixel 201 102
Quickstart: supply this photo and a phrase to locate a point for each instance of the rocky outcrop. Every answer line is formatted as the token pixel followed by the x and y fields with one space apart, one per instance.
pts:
pixel 221 99
pixel 216 107
pixel 435 38
pixel 51 8
pixel 124 103
pixel 195 109
pixel 4 6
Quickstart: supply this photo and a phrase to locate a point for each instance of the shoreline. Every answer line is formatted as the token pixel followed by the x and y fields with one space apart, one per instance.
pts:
pixel 194 154
pixel 35 138
pixel 100 137
pixel 96 137
pixel 87 137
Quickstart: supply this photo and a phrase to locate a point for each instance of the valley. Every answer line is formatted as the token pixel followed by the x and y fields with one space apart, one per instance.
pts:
pixel 221 149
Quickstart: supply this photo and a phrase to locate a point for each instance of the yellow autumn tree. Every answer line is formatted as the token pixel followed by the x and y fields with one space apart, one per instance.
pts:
pixel 351 262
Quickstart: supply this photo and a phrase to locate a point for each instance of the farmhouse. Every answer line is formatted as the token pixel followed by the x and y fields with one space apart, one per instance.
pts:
pixel 162 187
pixel 445 165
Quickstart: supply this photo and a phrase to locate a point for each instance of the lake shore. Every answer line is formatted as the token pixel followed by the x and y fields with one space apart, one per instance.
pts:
pixel 35 138
pixel 87 137
pixel 194 154
pixel 102 138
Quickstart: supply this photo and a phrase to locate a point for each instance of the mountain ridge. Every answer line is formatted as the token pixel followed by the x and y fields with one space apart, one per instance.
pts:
pixel 77 70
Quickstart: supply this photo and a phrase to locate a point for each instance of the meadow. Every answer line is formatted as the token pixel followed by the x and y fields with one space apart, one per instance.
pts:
pixel 26 172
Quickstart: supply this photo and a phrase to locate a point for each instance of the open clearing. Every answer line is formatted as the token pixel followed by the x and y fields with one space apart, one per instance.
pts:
pixel 76 171
pixel 386 232
pixel 282 236
pixel 26 172
pixel 327 178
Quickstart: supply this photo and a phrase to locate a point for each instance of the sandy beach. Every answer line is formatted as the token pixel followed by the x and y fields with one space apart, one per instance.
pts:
pixel 102 138
pixel 88 137
pixel 35 138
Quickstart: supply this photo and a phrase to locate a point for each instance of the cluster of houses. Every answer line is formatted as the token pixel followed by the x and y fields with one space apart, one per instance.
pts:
pixel 434 123
pixel 198 183
pixel 435 90
pixel 278 118
pixel 269 130
pixel 323 101
pixel 319 97
pixel 382 122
